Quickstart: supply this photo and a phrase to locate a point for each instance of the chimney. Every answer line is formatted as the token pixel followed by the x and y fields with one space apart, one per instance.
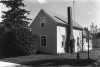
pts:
pixel 69 35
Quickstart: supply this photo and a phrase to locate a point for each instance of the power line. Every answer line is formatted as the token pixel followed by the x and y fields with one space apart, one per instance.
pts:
pixel 73 10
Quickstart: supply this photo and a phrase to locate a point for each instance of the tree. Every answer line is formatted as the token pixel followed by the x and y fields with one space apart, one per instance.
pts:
pixel 93 29
pixel 19 37
pixel 29 42
pixel 87 38
pixel 15 16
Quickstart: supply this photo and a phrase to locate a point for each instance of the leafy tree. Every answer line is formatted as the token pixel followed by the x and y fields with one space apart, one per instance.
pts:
pixel 86 33
pixel 93 29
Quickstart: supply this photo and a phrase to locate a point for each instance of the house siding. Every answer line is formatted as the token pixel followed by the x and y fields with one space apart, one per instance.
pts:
pixel 96 43
pixel 48 30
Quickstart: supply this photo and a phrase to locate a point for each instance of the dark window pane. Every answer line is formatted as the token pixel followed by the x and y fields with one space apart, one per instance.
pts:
pixel 42 24
pixel 43 41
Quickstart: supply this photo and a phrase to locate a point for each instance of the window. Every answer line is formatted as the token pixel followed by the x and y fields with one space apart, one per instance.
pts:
pixel 63 40
pixel 42 24
pixel 43 41
pixel 42 21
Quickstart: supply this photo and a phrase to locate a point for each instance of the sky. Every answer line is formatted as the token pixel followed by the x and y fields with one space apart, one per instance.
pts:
pixel 84 11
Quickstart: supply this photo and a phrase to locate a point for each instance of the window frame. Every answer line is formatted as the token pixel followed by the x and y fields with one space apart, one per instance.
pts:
pixel 42 21
pixel 45 46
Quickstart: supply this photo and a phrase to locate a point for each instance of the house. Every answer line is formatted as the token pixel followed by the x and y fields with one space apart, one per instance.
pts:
pixel 52 31
pixel 96 39
pixel 87 39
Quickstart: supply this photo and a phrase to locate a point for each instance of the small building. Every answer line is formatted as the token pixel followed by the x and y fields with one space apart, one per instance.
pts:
pixel 87 39
pixel 52 32
pixel 96 39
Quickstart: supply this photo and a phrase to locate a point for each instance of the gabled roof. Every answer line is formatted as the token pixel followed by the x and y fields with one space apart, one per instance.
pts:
pixel 98 30
pixel 52 15
pixel 58 18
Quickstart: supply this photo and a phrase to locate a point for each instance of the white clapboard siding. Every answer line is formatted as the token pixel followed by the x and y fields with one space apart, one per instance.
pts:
pixel 61 31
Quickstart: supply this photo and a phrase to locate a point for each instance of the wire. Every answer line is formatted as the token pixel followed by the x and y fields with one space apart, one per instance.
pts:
pixel 74 10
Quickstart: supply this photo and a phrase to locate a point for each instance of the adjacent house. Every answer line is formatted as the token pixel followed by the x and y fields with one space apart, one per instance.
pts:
pixel 52 31
pixel 87 39
pixel 96 39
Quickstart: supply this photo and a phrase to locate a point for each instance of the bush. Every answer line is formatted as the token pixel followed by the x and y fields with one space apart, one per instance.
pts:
pixel 27 41
pixel 17 42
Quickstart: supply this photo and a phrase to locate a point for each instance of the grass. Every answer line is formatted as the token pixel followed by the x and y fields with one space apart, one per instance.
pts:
pixel 70 60
pixel 58 61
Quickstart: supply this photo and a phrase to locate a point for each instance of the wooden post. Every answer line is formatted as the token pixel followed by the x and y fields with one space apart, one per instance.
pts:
pixel 78 55
pixel 88 45
pixel 82 40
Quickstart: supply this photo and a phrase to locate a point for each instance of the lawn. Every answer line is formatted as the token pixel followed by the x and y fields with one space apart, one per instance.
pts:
pixel 58 60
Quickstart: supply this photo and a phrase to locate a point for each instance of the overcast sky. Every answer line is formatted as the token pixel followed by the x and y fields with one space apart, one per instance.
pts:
pixel 85 11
